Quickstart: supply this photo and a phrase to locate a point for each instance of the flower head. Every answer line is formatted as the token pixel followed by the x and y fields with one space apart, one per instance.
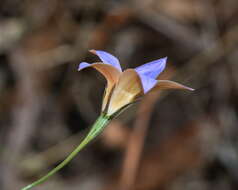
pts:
pixel 125 87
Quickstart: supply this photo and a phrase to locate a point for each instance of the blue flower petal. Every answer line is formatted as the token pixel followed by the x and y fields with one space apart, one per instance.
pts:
pixel 147 82
pixel 107 58
pixel 83 65
pixel 153 68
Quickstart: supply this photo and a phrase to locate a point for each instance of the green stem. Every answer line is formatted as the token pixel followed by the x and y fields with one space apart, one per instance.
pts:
pixel 96 129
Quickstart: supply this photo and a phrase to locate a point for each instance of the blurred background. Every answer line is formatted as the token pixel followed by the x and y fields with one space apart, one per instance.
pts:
pixel 171 140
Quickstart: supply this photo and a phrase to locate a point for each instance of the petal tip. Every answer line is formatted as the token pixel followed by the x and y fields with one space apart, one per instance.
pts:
pixel 191 89
pixel 83 65
pixel 188 88
pixel 152 69
pixel 93 51
pixel 107 58
pixel 165 59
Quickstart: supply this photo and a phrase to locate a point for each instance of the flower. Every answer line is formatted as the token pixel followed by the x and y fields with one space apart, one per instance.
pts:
pixel 126 87
pixel 123 89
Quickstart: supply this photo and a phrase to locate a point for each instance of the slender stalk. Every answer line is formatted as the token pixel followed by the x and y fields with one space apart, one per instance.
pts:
pixel 96 129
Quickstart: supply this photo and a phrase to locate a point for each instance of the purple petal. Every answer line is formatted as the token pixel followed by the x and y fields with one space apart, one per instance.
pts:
pixel 107 58
pixel 147 82
pixel 83 65
pixel 153 68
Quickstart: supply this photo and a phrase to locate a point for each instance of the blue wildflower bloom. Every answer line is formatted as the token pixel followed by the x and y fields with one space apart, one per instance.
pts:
pixel 124 88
